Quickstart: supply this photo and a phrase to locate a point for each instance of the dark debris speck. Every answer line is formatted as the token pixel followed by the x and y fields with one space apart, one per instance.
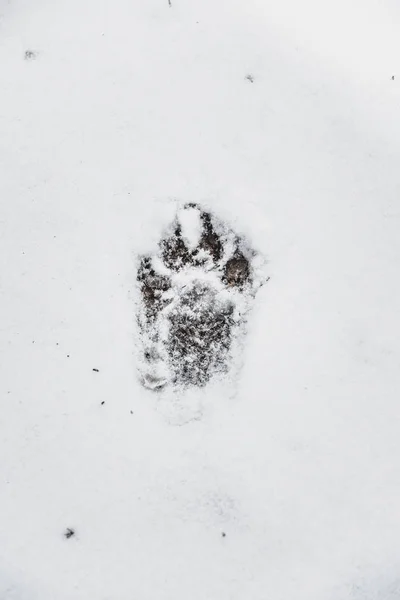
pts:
pixel 29 55
pixel 69 533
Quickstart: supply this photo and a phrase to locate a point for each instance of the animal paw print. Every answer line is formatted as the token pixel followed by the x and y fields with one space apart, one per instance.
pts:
pixel 195 291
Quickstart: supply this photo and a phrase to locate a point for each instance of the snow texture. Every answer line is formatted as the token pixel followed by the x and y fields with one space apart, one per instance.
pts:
pixel 280 478
pixel 191 226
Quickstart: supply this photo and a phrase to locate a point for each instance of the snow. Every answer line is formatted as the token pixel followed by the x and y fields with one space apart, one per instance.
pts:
pixel 189 220
pixel 126 109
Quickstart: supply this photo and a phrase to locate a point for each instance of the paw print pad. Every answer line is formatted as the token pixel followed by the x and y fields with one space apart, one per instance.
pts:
pixel 195 292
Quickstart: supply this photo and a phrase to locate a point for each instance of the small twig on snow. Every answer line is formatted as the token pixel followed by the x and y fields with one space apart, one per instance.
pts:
pixel 69 532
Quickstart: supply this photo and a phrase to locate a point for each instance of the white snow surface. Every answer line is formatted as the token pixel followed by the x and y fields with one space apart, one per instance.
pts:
pixel 189 220
pixel 125 109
